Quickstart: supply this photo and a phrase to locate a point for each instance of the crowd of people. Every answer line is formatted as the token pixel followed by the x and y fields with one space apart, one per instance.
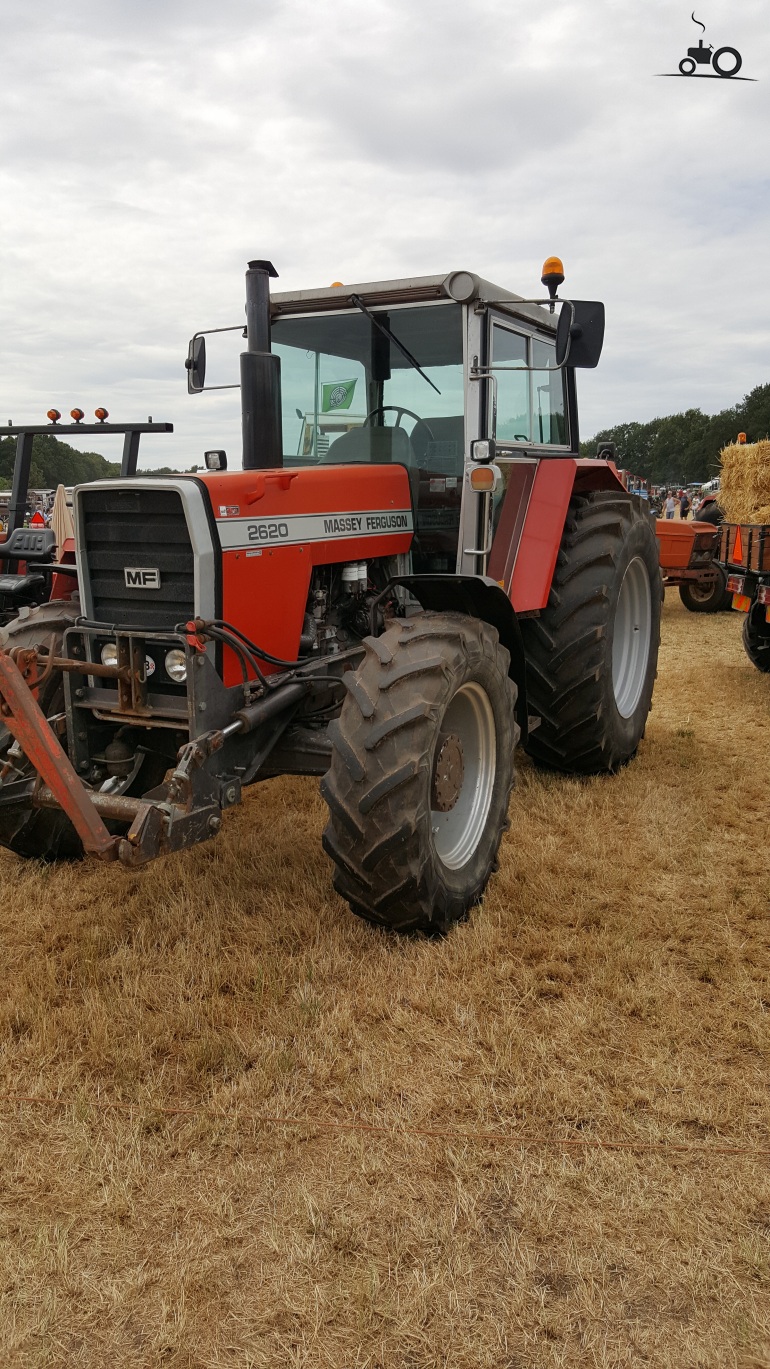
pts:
pixel 665 503
pixel 671 500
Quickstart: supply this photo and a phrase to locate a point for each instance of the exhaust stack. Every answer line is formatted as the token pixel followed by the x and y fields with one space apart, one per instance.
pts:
pixel 260 376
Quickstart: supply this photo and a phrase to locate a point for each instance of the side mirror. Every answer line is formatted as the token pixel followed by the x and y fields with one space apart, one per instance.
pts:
pixel 580 333
pixel 195 365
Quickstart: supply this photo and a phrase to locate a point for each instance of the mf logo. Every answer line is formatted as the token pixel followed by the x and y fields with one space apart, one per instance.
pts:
pixel 726 62
pixel 142 577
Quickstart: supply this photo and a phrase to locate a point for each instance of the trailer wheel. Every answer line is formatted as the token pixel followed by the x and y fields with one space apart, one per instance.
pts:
pixel 756 641
pixel 421 772
pixel 592 654
pixel 39 833
pixel 712 598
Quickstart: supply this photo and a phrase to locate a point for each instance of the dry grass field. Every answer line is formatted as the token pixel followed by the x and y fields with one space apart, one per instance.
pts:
pixel 240 1130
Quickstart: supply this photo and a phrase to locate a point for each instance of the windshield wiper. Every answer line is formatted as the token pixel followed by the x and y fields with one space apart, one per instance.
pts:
pixel 384 329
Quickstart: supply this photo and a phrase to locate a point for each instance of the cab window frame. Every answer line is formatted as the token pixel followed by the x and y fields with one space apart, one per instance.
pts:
pixel 506 447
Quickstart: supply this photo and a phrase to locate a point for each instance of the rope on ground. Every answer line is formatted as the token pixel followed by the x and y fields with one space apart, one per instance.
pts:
pixel 373 1128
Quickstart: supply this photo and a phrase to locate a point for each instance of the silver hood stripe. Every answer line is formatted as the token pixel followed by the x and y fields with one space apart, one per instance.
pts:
pixel 237 534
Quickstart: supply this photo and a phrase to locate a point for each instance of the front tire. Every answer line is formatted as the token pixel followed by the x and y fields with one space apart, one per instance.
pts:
pixel 421 772
pixel 756 640
pixel 592 653
pixel 711 598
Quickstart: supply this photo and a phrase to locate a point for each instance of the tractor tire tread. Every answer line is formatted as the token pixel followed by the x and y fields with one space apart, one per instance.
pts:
pixel 378 833
pixel 568 647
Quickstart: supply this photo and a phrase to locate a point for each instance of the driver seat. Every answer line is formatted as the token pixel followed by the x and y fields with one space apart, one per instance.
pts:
pixel 26 544
pixel 373 445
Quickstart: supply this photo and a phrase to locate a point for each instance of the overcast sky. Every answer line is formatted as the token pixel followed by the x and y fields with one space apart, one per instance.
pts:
pixel 151 147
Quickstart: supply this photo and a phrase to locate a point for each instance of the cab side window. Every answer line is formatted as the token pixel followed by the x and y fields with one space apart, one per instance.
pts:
pixel 531 405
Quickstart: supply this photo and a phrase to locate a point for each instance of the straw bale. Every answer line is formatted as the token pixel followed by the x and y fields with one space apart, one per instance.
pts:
pixel 744 492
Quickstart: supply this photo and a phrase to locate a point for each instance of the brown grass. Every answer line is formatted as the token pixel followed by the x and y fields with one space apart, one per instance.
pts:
pixel 744 491
pixel 614 986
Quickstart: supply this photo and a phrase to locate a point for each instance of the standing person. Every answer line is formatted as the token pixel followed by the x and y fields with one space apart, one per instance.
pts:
pixel 684 505
pixel 670 505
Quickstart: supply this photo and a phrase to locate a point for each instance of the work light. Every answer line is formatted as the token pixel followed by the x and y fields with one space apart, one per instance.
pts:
pixel 483 449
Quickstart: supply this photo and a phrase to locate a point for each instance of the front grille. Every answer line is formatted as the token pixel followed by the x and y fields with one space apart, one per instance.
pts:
pixel 137 528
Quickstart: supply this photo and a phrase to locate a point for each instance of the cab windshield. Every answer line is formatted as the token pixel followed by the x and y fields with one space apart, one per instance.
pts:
pixel 351 393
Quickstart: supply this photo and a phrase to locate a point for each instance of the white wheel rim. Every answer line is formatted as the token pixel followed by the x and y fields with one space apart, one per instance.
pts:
pixel 470 720
pixel 631 638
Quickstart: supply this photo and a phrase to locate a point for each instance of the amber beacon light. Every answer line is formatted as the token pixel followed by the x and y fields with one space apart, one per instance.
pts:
pixel 553 275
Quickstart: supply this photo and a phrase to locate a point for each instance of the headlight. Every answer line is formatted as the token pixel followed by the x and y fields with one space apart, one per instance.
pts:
pixel 110 654
pixel 176 665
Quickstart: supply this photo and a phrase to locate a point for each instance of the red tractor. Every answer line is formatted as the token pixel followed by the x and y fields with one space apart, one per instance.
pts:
pixel 427 583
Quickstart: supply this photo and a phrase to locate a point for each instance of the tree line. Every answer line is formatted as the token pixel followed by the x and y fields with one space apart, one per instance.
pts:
pixel 55 463
pixel 683 448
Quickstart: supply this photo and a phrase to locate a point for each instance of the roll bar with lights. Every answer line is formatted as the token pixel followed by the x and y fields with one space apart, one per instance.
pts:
pixel 26 432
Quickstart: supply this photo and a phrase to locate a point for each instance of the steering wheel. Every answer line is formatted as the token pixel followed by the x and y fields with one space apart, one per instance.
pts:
pixel 399 410
pixel 391 408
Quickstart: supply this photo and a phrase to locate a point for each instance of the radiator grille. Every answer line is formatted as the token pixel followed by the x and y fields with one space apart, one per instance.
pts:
pixel 146 528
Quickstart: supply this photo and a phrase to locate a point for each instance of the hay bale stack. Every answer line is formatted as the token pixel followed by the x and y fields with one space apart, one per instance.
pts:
pixel 744 491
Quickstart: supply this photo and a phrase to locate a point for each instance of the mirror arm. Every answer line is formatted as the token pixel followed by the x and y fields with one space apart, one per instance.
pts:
pixel 485 372
pixel 207 332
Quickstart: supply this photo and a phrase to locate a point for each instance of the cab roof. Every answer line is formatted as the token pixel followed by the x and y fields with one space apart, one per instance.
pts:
pixel 464 287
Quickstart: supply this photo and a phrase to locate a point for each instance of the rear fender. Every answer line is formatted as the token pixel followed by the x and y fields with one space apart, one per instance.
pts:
pixel 478 597
pixel 525 547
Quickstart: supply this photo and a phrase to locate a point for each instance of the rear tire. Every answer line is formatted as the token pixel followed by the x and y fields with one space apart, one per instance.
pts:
pixel 756 641
pixel 421 772
pixel 592 654
pixel 711 514
pixel 39 833
pixel 713 598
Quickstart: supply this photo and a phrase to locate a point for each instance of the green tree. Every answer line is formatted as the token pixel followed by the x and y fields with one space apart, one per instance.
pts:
pixel 682 448
pixel 55 463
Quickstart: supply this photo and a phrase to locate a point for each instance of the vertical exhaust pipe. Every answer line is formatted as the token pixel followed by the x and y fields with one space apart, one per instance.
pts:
pixel 260 376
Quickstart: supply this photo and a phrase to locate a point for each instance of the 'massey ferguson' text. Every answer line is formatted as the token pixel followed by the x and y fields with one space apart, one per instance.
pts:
pixel 369 522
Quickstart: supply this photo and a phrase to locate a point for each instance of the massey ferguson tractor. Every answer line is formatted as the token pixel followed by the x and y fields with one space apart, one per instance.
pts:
pixel 393 610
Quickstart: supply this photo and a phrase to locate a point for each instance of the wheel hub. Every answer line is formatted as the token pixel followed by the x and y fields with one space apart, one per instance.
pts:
pixel 448 773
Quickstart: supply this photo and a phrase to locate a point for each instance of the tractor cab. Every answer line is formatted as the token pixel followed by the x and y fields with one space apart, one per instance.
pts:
pixel 414 373
pixel 412 358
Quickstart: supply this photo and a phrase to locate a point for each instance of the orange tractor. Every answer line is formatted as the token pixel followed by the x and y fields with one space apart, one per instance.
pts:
pixel 393 609
pixel 687 559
